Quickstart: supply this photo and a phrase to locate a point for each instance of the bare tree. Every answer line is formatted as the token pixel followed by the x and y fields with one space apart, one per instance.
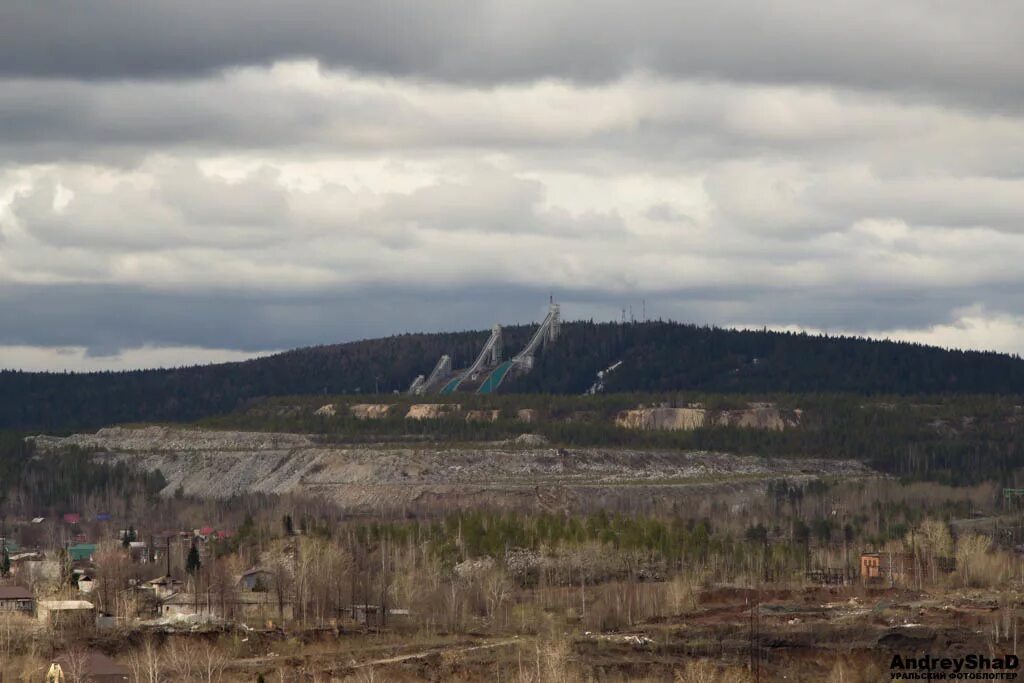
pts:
pixel 180 658
pixel 74 665
pixel 223 588
pixel 210 663
pixel 282 576
pixel 113 569
pixel 497 589
pixel 147 663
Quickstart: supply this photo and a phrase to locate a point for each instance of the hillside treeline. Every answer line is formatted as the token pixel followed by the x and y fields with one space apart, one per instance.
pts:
pixel 666 356
pixel 31 485
pixel 656 356
pixel 950 439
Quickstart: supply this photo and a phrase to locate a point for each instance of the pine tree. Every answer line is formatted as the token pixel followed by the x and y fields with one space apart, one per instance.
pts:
pixel 193 562
pixel 5 562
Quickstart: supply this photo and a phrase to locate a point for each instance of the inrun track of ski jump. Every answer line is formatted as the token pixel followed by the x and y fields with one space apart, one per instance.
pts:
pixel 488 371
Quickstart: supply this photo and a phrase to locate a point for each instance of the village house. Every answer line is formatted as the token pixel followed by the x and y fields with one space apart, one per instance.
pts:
pixel 371 614
pixel 163 587
pixel 248 606
pixel 257 605
pixel 187 604
pixel 17 599
pixel 138 551
pixel 872 566
pixel 65 613
pixel 897 567
pixel 256 580
pixel 19 560
pixel 26 556
pixel 34 569
pixel 86 584
pixel 82 552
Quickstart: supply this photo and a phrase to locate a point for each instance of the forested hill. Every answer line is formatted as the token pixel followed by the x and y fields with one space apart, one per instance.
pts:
pixel 656 356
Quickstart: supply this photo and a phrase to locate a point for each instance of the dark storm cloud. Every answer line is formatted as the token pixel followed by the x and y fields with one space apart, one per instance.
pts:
pixel 963 50
pixel 108 319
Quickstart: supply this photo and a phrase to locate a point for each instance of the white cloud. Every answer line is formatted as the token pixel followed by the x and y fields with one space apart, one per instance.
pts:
pixel 971 327
pixel 772 203
pixel 77 358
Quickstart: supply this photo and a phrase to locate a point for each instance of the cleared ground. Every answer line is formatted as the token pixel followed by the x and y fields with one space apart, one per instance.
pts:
pixel 218 464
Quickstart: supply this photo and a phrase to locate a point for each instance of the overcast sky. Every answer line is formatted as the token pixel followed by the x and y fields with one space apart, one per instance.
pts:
pixel 192 181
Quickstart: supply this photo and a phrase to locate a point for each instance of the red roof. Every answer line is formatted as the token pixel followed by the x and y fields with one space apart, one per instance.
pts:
pixel 206 530
pixel 72 517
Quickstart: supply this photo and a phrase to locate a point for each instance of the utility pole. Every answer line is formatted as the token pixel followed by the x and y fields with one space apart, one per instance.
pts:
pixel 355 571
pixel 750 638
pixel 383 584
pixel 755 635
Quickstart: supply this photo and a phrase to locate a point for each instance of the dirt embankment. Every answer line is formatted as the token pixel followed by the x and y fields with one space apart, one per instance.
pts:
pixel 422 411
pixel 370 411
pixel 755 416
pixel 432 411
pixel 482 415
pixel 522 473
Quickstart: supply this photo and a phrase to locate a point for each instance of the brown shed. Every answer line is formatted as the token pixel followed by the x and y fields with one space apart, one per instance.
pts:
pixel 17 599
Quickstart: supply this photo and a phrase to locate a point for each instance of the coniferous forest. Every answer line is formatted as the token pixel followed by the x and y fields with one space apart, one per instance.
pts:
pixel 656 357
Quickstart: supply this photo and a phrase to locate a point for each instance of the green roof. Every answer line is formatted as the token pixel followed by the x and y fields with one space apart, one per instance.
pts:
pixel 82 551
pixel 12 547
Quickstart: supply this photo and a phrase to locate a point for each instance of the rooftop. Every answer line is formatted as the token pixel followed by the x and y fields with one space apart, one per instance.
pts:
pixel 256 570
pixel 163 581
pixel 15 593
pixel 58 605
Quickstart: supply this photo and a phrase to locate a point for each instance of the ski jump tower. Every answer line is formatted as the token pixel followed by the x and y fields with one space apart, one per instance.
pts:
pixel 488 364
pixel 546 333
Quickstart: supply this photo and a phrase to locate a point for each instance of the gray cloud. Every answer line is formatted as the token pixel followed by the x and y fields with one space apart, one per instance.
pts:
pixel 952 49
pixel 494 203
pixel 664 211
pixel 298 108
pixel 250 176
pixel 185 209
pixel 108 319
